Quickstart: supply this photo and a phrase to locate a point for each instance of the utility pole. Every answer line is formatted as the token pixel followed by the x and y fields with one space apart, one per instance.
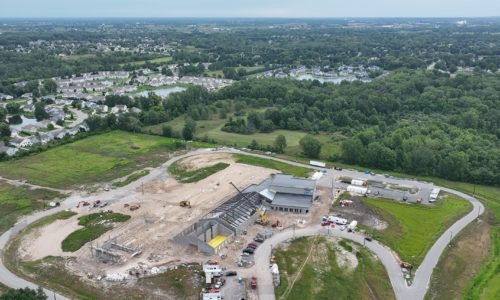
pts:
pixel 451 236
pixel 142 188
pixel 293 230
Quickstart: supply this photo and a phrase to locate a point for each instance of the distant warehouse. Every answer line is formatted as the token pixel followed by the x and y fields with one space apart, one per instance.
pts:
pixel 287 193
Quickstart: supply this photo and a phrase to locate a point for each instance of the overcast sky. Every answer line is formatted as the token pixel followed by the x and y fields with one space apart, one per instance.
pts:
pixel 249 8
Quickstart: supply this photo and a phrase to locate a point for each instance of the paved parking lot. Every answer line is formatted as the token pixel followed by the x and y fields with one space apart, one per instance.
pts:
pixel 378 183
pixel 234 290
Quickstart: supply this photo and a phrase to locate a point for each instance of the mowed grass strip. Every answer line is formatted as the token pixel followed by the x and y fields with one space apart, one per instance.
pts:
pixel 322 278
pixel 189 176
pixel 16 201
pixel 272 164
pixel 413 228
pixel 95 225
pixel 95 159
pixel 131 178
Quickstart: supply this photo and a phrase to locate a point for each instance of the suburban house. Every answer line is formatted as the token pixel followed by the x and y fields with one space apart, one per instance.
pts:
pixel 21 142
pixel 102 109
pixel 28 108
pixel 119 109
pixel 4 97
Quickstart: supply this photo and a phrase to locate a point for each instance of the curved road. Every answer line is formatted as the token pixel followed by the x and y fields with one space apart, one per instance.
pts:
pixel 266 290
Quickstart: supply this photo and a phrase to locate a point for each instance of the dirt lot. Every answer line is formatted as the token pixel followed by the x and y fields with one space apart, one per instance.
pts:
pixel 158 220
pixel 360 212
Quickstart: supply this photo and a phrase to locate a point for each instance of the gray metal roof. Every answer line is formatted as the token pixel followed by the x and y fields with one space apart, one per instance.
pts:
pixel 291 185
pixel 289 200
pixel 257 188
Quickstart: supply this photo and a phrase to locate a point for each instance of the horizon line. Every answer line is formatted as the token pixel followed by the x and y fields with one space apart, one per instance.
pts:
pixel 250 17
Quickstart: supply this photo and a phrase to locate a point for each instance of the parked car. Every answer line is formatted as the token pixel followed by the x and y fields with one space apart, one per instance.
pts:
pixel 248 250
pixel 368 239
pixel 103 204
pixel 231 273
pixel 220 283
pixel 259 239
pixel 252 246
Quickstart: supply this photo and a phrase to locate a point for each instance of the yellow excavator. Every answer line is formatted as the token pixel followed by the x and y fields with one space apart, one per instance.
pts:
pixel 264 220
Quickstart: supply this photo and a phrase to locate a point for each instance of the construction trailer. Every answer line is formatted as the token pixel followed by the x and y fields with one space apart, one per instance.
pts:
pixel 219 227
pixel 359 182
pixel 357 189
pixel 317 163
pixel 434 194
pixel 337 220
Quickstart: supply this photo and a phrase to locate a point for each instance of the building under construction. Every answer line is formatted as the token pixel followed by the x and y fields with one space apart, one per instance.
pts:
pixel 219 227
pixel 113 251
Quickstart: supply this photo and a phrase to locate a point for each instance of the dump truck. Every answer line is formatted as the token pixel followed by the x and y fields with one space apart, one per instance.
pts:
pixel 185 203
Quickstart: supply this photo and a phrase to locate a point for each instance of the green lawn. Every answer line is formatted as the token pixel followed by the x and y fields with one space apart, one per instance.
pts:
pixel 413 228
pixel 94 159
pixel 94 226
pixel 272 164
pixel 322 278
pixel 131 178
pixel 212 130
pixel 158 60
pixel 188 176
pixel 19 201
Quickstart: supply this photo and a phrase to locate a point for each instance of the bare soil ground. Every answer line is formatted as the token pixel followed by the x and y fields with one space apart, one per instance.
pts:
pixel 47 240
pixel 158 220
pixel 361 213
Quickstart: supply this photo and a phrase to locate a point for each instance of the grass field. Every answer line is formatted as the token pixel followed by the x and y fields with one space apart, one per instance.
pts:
pixel 460 262
pixel 18 201
pixel 486 282
pixel 158 60
pixel 94 226
pixel 188 176
pixel 98 158
pixel 272 164
pixel 313 262
pixel 212 130
pixel 414 228
pixel 131 178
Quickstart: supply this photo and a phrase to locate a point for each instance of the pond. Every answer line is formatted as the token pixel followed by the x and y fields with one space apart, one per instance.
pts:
pixel 163 92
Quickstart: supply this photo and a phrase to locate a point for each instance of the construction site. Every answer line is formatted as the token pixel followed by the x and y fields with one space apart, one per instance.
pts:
pixel 173 223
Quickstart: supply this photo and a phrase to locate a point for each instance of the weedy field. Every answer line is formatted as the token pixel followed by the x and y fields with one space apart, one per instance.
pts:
pixel 99 158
